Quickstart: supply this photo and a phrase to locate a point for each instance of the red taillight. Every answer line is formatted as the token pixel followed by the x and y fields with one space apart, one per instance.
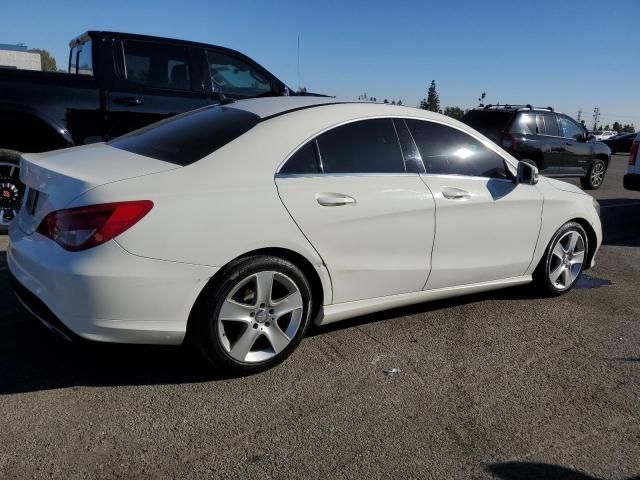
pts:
pixel 80 228
pixel 509 142
pixel 633 156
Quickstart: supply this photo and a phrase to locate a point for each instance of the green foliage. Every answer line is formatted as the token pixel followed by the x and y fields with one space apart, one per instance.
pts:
pixel 627 128
pixel 432 102
pixel 454 112
pixel 47 61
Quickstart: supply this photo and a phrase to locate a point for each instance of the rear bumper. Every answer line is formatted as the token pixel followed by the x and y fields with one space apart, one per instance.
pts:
pixel 631 181
pixel 105 293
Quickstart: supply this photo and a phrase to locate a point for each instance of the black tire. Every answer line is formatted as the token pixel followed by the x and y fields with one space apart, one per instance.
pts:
pixel 205 327
pixel 595 175
pixel 10 185
pixel 548 263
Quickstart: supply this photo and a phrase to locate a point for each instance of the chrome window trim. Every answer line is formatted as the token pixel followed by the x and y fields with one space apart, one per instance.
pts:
pixel 487 143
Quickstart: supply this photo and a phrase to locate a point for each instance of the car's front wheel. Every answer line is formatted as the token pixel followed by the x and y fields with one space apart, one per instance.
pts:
pixel 595 176
pixel 564 260
pixel 254 315
pixel 11 188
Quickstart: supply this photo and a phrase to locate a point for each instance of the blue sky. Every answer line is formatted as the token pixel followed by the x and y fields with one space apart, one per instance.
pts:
pixel 570 54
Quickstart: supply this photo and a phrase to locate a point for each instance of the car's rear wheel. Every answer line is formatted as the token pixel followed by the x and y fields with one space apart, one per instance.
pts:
pixel 254 315
pixel 564 260
pixel 11 188
pixel 595 176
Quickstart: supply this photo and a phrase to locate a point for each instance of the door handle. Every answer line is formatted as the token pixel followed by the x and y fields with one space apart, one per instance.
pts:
pixel 132 101
pixel 455 193
pixel 334 199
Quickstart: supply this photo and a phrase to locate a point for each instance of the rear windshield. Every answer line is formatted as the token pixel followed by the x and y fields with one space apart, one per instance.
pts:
pixel 187 138
pixel 487 122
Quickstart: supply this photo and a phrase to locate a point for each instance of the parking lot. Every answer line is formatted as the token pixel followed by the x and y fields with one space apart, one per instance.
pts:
pixel 499 385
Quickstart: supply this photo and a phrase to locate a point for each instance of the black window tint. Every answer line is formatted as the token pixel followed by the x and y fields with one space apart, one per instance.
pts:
pixel 412 158
pixel 186 138
pixel 303 161
pixel 448 151
pixel 235 77
pixel 526 124
pixel 367 146
pixel 551 125
pixel 159 66
pixel 569 129
pixel 488 122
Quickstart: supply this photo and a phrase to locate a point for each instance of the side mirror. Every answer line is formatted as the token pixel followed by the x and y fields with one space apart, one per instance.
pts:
pixel 527 173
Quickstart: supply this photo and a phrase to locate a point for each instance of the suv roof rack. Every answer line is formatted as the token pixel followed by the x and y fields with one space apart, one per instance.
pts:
pixel 509 106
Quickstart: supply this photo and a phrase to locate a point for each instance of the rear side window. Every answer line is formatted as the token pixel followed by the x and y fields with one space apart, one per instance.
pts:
pixel 367 146
pixel 186 138
pixel 303 161
pixel 489 122
pixel 525 124
pixel 448 151
pixel 551 125
pixel 157 66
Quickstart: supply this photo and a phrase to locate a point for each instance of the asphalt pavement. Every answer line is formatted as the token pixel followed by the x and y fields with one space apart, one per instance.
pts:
pixel 500 385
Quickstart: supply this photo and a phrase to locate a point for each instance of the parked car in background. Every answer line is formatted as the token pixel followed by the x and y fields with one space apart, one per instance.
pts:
pixel 621 143
pixel 284 212
pixel 604 135
pixel 631 180
pixel 117 82
pixel 554 142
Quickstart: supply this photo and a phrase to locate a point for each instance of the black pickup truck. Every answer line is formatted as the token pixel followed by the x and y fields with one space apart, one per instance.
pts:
pixel 116 83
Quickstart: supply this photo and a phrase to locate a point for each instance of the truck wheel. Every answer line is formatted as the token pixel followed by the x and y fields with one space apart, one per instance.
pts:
pixel 595 176
pixel 11 188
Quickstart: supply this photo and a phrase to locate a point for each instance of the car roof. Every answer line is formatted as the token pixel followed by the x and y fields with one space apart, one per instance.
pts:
pixel 269 107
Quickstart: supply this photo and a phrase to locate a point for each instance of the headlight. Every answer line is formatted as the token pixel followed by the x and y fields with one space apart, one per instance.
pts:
pixel 596 205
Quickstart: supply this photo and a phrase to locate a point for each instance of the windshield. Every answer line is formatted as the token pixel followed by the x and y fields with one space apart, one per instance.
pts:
pixel 187 138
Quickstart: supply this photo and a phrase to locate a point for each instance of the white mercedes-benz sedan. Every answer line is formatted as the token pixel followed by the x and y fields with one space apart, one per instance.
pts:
pixel 237 226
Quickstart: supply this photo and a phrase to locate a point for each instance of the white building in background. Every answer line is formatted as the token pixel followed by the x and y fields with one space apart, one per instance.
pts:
pixel 17 56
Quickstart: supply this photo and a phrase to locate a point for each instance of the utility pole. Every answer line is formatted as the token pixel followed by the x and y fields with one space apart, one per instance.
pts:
pixel 579 115
pixel 596 118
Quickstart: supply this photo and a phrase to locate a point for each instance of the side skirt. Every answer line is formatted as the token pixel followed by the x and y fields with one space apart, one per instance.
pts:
pixel 342 311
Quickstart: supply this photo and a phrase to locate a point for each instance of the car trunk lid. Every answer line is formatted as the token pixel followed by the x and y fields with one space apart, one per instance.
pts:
pixel 54 179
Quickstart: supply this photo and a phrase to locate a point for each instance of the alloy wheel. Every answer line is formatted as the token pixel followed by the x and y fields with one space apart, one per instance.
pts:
pixel 260 317
pixel 11 191
pixel 567 258
pixel 597 174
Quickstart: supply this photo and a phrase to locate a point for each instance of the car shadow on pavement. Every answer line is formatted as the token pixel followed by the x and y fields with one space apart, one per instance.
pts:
pixel 536 471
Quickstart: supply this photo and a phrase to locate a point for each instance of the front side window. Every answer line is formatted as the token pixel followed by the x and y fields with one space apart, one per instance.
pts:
pixel 569 129
pixel 234 77
pixel 156 66
pixel 448 151
pixel 366 146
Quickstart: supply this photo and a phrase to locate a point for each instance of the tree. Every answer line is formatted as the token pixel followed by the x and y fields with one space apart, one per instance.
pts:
pixel 606 127
pixel 399 102
pixel 386 101
pixel 302 90
pixel 454 112
pixel 617 127
pixel 432 102
pixel 47 61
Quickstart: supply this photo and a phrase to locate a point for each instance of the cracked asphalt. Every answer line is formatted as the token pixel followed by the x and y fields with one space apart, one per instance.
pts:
pixel 500 385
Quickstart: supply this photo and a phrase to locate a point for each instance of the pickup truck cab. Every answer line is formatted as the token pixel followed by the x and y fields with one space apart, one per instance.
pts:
pixel 116 83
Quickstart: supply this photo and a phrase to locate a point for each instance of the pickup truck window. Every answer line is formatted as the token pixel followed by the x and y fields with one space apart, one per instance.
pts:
pixel 156 66
pixel 234 77
pixel 81 59
pixel 187 138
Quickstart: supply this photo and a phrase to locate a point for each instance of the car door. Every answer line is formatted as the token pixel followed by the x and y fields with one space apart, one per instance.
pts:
pixel 528 135
pixel 487 225
pixel 157 81
pixel 370 220
pixel 576 153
